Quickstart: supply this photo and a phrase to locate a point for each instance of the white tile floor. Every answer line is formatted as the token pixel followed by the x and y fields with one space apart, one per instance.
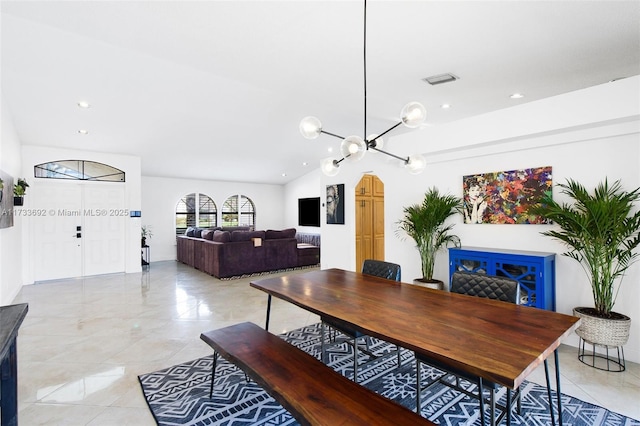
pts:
pixel 85 341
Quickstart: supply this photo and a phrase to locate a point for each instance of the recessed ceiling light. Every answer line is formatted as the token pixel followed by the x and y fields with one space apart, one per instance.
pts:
pixel 84 104
pixel 330 149
pixel 304 163
pixel 83 132
pixel 445 106
pixel 284 175
pixel 517 96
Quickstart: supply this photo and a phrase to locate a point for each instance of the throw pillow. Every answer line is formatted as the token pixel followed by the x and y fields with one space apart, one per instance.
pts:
pixel 221 236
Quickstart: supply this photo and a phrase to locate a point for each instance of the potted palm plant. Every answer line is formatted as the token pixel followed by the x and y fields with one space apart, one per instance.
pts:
pixel 425 224
pixel 600 230
pixel 19 190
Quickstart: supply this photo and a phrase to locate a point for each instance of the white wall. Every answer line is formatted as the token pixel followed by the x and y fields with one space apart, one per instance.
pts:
pixel 10 238
pixel 32 155
pixel 586 135
pixel 161 195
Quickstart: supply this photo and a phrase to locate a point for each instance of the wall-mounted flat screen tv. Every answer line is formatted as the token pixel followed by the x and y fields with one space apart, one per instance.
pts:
pixel 309 211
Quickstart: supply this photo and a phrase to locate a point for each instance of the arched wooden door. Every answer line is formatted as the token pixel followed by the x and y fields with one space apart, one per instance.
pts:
pixel 369 219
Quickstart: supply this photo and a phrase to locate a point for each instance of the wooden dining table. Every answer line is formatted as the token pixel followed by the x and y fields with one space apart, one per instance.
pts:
pixel 496 341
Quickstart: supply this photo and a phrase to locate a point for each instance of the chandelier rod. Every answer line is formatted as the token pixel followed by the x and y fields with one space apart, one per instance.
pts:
pixel 364 39
pixel 331 134
pixel 403 159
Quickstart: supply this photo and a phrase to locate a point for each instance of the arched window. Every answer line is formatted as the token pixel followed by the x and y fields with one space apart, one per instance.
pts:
pixel 238 210
pixel 78 170
pixel 195 210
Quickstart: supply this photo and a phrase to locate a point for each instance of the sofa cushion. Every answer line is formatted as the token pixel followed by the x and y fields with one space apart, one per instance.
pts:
pixel 207 234
pixel 197 233
pixel 221 236
pixel 246 235
pixel 276 235
pixel 189 231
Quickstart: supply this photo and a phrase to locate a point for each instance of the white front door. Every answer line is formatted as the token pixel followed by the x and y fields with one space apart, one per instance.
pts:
pixel 103 228
pixel 80 229
pixel 57 246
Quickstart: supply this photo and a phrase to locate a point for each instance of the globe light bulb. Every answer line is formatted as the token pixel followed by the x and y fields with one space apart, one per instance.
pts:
pixel 416 164
pixel 413 114
pixel 310 127
pixel 353 148
pixel 329 166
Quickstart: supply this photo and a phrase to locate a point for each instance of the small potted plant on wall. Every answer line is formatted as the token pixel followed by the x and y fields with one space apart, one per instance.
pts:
pixel 145 233
pixel 600 230
pixel 1 188
pixel 19 190
pixel 425 224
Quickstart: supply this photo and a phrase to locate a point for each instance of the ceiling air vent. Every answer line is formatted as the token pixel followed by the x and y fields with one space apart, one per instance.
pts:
pixel 440 79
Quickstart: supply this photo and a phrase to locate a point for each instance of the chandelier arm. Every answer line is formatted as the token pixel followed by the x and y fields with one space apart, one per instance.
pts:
pixel 332 134
pixel 405 160
pixel 388 130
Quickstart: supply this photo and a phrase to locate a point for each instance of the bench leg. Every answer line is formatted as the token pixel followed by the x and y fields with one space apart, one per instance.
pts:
pixel 213 373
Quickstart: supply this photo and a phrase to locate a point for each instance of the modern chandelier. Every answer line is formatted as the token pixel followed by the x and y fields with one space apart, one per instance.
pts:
pixel 353 147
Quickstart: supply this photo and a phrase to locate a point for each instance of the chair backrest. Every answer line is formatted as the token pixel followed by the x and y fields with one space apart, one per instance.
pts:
pixel 489 286
pixel 382 269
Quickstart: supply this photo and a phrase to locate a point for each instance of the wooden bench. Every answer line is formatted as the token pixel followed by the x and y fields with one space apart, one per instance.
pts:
pixel 312 392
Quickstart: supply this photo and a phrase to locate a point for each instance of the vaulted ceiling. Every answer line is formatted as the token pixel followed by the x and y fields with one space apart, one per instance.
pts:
pixel 216 89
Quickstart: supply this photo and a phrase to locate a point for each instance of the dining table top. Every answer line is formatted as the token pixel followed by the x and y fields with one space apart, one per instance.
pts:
pixel 498 341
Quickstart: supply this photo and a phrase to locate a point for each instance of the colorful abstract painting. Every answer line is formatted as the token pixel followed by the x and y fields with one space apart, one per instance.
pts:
pixel 505 197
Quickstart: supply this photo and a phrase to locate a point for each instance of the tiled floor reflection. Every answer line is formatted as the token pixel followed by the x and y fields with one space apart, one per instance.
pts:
pixel 85 341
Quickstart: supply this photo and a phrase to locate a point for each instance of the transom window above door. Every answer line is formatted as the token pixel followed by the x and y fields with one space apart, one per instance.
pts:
pixel 79 170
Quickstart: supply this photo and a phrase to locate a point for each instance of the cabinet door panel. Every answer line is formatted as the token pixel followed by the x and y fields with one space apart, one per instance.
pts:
pixel 535 271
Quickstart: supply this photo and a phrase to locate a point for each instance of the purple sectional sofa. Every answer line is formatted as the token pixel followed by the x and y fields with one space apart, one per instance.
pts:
pixel 228 253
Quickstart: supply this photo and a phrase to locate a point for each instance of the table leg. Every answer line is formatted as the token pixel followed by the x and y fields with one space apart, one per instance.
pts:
pixel 213 373
pixel 481 395
pixel 266 327
pixel 558 392
pixel 508 407
pixel 546 375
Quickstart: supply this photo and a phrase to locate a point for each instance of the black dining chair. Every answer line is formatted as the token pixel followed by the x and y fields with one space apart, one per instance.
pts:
pixel 480 285
pixel 378 268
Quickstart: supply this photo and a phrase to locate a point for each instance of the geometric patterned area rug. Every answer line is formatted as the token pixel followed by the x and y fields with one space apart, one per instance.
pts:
pixel 179 395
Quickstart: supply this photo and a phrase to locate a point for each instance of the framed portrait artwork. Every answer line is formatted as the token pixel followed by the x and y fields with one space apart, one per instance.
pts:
pixel 335 204
pixel 505 197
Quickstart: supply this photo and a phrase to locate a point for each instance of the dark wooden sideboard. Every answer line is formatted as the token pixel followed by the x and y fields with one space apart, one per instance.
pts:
pixel 11 318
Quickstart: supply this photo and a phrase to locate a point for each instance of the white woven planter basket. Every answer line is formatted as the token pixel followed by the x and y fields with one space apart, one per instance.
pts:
pixel 603 331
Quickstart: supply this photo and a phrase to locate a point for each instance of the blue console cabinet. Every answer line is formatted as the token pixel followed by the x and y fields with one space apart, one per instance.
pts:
pixel 535 271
